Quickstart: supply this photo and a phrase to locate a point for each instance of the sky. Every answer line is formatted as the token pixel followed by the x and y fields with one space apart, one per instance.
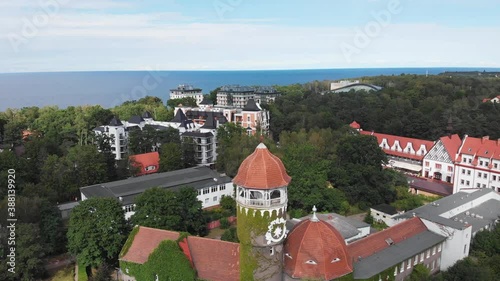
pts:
pixel 101 35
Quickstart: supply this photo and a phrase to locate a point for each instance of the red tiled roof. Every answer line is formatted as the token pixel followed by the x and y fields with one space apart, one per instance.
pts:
pixel 145 242
pixel 185 249
pixel 215 260
pixel 403 142
pixel 486 100
pixel 355 125
pixel 262 170
pixel 142 161
pixel 377 242
pixel 318 242
pixel 481 147
pixel 451 144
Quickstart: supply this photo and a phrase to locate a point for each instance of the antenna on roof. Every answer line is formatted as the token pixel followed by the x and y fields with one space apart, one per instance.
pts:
pixel 314 217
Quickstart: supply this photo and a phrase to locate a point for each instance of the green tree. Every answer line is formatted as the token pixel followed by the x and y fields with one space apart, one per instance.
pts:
pixel 213 94
pixel 29 254
pixel 158 208
pixel 419 273
pixel 193 220
pixel 189 101
pixel 230 235
pixel 171 157
pixel 96 232
pixel 228 203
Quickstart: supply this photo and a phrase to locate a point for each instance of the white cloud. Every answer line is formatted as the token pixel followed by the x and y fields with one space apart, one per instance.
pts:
pixel 75 40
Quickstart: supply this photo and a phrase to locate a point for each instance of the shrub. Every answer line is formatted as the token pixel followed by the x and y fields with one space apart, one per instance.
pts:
pixel 224 223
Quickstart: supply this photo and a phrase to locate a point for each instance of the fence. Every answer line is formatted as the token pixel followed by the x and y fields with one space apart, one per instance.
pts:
pixel 215 224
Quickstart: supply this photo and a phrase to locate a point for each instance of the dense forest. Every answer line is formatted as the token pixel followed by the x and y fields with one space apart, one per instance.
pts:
pixel 408 105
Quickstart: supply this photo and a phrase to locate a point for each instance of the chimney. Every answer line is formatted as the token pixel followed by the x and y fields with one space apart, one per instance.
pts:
pixel 485 138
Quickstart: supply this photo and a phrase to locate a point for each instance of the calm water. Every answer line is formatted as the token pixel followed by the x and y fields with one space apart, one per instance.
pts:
pixel 112 88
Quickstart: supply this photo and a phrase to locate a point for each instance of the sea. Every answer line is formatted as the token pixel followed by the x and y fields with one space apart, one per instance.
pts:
pixel 112 88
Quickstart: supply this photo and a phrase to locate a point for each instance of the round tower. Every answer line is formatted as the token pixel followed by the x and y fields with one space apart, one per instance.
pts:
pixel 261 197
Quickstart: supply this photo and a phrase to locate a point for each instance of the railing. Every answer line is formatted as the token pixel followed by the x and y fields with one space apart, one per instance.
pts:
pixel 261 202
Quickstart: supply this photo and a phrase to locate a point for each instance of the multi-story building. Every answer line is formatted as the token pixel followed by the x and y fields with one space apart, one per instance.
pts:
pixel 234 95
pixel 187 91
pixel 252 116
pixel 477 165
pixel 238 96
pixel 439 161
pixel 119 131
pixel 458 217
pixel 211 186
pixel 404 154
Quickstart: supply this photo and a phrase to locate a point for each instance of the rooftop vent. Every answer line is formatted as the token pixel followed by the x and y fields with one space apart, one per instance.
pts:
pixel 311 262
pixel 335 260
pixel 288 256
pixel 389 241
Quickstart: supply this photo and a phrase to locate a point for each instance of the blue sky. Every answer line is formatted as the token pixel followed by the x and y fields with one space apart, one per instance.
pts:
pixel 75 35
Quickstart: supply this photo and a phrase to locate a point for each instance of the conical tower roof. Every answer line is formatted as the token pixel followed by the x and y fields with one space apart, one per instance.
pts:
pixel 262 170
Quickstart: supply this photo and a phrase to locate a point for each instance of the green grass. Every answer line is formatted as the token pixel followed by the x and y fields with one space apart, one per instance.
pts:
pixel 82 274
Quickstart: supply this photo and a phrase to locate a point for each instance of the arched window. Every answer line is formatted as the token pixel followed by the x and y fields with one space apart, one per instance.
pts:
pixel 256 195
pixel 275 194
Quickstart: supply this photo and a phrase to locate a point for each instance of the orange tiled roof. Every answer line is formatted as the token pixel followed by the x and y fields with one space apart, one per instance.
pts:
pixel 215 260
pixel 145 242
pixel 481 147
pixel 451 144
pixel 403 142
pixel 355 125
pixel 262 170
pixel 320 243
pixel 145 160
pixel 377 242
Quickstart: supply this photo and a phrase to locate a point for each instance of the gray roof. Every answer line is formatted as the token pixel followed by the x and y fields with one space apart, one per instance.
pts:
pixel 68 206
pixel 197 177
pixel 395 254
pixel 115 122
pixel 346 226
pixel 100 129
pixel 434 210
pixel 207 101
pixel 479 217
pixel 251 106
pixel 385 208
pixel 136 119
pixel 147 114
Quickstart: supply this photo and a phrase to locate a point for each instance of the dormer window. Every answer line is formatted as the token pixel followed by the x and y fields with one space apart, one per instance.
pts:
pixel 311 262
pixel 288 256
pixel 335 260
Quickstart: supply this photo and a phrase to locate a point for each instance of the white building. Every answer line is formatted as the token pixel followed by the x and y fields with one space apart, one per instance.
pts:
pixel 187 91
pixel 211 187
pixel 238 96
pixel 384 213
pixel 477 165
pixel 404 154
pixel 458 217
pixel 118 131
pixel 439 161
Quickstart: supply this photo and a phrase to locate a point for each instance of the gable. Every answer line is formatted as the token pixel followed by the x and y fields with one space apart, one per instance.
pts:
pixel 439 153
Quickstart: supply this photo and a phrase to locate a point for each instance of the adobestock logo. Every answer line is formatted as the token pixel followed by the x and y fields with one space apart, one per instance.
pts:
pixel 372 29
pixel 46 11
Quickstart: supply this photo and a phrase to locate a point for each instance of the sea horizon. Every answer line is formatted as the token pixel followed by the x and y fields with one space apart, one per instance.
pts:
pixel 113 87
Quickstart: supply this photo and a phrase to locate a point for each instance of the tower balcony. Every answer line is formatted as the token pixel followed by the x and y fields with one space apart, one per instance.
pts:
pixel 256 198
